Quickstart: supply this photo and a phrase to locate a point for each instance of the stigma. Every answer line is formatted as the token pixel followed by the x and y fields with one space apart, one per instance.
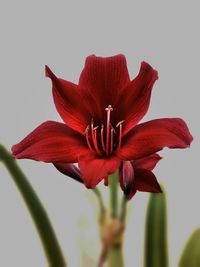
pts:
pixel 106 139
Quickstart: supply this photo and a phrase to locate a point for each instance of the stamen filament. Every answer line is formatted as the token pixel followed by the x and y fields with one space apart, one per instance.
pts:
pixel 120 136
pixel 95 140
pixel 87 138
pixel 119 124
pixel 111 140
pixel 94 136
pixel 108 110
pixel 92 130
pixel 102 139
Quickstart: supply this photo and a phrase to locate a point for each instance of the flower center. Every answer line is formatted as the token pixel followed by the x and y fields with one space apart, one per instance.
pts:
pixel 101 140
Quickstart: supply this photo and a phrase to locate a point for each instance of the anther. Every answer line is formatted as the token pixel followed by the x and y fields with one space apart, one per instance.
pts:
pixel 113 129
pixel 96 127
pixel 87 129
pixel 119 123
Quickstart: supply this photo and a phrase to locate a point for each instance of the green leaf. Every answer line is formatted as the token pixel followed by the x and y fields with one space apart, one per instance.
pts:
pixel 156 245
pixel 191 253
pixel 37 211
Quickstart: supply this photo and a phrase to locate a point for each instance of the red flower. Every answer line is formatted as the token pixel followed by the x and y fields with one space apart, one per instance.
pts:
pixel 101 115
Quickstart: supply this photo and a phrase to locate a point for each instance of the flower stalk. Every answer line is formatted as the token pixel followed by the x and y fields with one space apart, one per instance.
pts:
pixel 115 254
pixel 123 209
pixel 37 211
pixel 113 184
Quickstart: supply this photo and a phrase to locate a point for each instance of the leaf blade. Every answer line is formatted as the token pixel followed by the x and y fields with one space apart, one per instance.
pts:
pixel 156 243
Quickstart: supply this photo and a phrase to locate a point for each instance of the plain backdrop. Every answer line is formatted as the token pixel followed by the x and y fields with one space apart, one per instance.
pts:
pixel 61 34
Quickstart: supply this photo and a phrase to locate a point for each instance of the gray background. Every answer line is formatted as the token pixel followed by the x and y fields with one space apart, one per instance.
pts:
pixel 61 34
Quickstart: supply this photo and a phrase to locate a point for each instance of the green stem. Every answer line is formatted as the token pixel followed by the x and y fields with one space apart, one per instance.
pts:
pixel 123 209
pixel 115 256
pixel 113 184
pixel 101 205
pixel 47 236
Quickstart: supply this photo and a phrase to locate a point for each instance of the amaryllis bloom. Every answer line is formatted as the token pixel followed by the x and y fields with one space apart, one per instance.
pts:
pixel 101 114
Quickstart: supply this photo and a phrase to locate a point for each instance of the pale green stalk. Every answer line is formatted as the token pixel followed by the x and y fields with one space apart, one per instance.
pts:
pixel 115 254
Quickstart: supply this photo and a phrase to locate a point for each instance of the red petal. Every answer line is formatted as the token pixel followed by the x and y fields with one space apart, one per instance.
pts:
pixel 152 136
pixel 51 142
pixel 94 169
pixel 103 78
pixel 134 100
pixel 69 169
pixel 132 192
pixel 146 181
pixel 148 162
pixel 126 175
pixel 70 103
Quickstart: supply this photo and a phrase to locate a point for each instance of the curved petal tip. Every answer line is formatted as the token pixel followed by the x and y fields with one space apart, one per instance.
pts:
pixel 147 67
pixel 49 73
